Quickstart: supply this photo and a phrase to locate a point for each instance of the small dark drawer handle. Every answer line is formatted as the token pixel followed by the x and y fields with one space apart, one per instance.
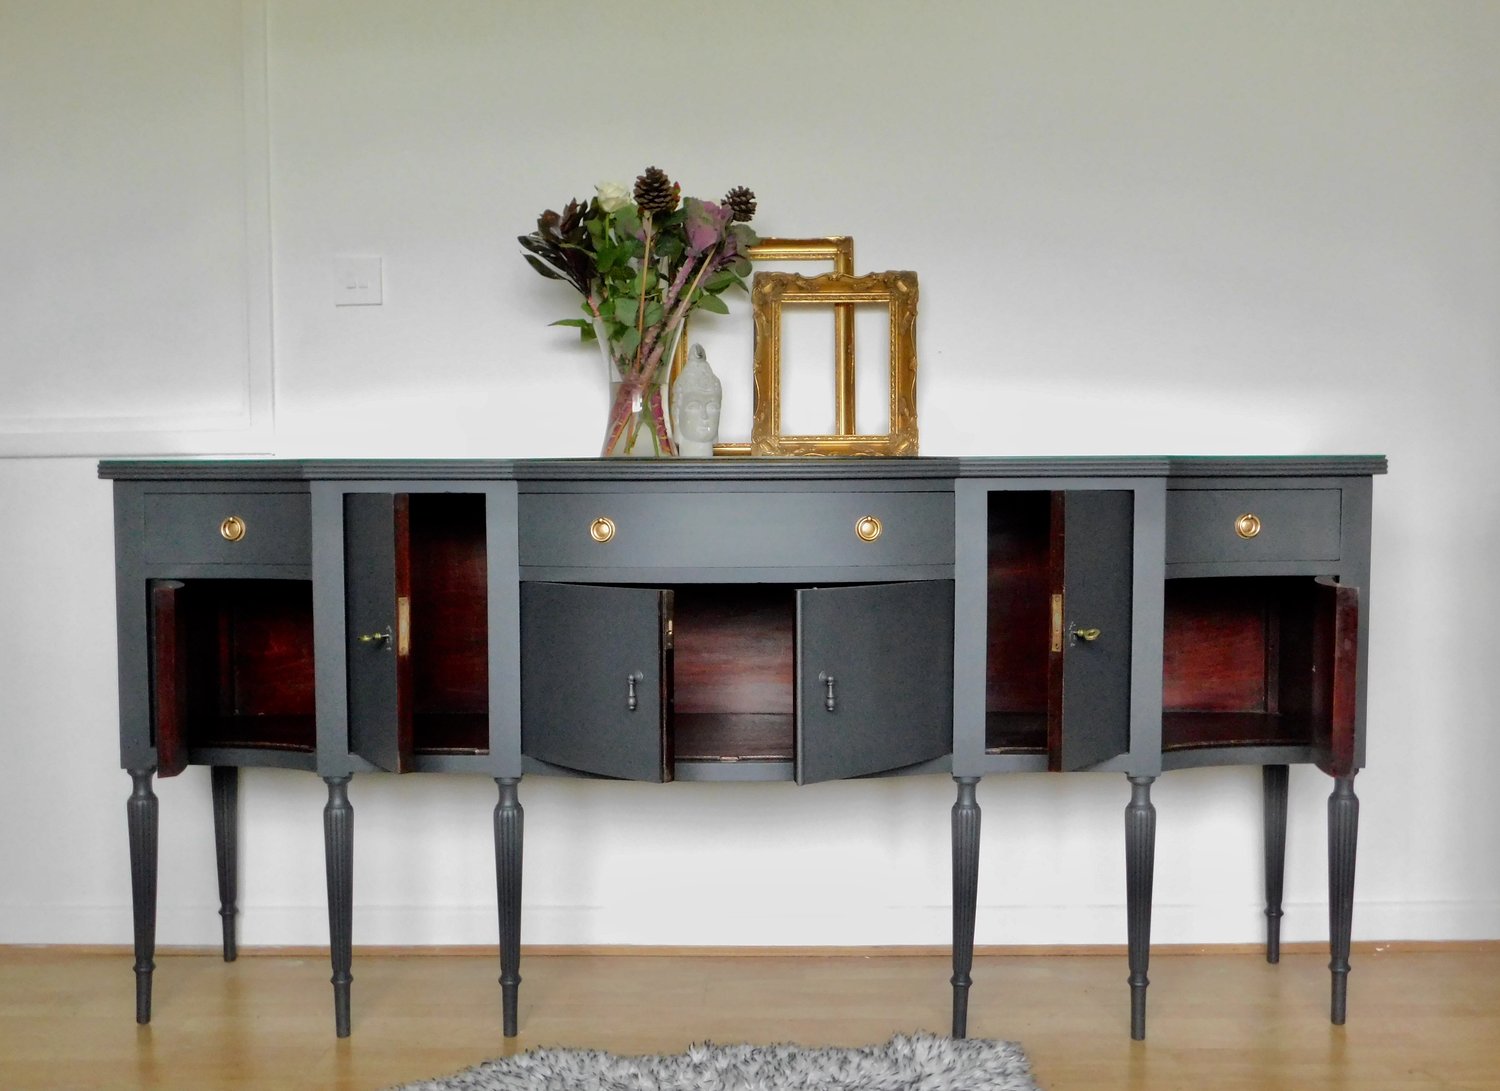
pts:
pixel 829 702
pixel 630 681
pixel 232 529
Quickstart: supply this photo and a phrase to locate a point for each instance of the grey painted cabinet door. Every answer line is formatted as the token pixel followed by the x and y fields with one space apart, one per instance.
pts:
pixel 1093 723
pixel 377 583
pixel 596 678
pixel 874 678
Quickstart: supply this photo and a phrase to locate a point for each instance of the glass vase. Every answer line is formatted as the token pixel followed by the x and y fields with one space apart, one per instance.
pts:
pixel 638 415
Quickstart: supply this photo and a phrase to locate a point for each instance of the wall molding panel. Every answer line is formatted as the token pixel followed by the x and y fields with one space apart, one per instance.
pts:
pixel 135 275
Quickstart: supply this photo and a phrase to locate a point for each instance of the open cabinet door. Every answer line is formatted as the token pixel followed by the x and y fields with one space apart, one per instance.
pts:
pixel 1088 716
pixel 596 676
pixel 874 678
pixel 377 596
pixel 1335 675
pixel 169 684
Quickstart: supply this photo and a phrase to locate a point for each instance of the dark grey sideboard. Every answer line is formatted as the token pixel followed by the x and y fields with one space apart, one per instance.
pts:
pixel 743 620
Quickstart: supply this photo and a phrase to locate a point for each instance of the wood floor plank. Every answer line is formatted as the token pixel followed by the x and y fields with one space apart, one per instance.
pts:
pixel 1417 1018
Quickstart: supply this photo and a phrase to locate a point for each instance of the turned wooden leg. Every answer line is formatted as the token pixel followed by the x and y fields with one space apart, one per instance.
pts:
pixel 965 897
pixel 1274 781
pixel 1343 833
pixel 226 792
pixel 1140 863
pixel 338 853
pixel 141 819
pixel 509 827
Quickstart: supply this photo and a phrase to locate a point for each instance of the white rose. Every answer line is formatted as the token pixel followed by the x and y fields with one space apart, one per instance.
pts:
pixel 612 196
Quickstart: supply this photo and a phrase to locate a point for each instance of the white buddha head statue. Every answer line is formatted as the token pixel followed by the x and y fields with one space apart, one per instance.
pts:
pixel 695 406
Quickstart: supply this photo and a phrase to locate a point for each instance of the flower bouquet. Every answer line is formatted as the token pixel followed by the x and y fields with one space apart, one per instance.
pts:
pixel 643 261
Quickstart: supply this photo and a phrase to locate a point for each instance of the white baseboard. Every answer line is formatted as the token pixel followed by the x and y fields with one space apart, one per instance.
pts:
pixel 307 925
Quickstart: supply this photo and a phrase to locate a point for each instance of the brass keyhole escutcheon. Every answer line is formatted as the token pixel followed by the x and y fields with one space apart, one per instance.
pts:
pixel 602 529
pixel 232 529
pixel 1247 525
pixel 868 528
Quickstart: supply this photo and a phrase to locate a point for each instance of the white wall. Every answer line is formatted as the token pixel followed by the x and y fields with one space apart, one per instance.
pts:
pixel 1144 228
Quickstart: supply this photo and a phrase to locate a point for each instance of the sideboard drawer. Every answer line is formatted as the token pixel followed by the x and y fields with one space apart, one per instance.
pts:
pixel 1253 525
pixel 228 528
pixel 735 529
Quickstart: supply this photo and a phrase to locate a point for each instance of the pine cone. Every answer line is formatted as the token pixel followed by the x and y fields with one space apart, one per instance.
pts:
pixel 655 192
pixel 741 202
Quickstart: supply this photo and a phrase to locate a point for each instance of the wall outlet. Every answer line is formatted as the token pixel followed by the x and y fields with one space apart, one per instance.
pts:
pixel 357 281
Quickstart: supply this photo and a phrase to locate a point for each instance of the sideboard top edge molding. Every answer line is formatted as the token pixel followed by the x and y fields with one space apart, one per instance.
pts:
pixel 738 469
pixel 1276 466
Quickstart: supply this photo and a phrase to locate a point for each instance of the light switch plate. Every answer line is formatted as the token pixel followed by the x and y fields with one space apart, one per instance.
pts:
pixel 357 281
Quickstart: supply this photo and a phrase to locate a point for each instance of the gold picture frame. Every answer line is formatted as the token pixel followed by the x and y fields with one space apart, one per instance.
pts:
pixel 896 290
pixel 838 250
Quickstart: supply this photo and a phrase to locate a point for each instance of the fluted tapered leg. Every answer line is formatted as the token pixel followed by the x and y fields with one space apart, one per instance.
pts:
pixel 1343 834
pixel 141 820
pixel 509 830
pixel 1274 780
pixel 226 792
pixel 965 897
pixel 1140 864
pixel 338 854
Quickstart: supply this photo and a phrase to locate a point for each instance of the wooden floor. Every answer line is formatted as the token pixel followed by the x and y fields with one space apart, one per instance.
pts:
pixel 1418 1018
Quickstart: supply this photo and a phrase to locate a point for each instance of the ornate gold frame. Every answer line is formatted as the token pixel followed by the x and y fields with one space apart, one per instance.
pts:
pixel 837 249
pixel 898 291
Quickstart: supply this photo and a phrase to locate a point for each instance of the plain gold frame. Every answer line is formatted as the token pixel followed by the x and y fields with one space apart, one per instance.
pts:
pixel 839 250
pixel 898 291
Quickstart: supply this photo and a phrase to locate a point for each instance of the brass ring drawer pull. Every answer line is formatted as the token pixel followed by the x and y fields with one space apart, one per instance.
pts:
pixel 602 529
pixel 1247 525
pixel 867 528
pixel 232 529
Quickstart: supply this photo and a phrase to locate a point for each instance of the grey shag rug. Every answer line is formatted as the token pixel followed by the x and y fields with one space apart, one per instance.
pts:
pixel 919 1062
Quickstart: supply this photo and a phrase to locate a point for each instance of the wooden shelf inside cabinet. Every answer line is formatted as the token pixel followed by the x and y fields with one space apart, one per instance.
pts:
pixel 450 733
pixel 1260 661
pixel 231 666
pixel 1015 732
pixel 734 736
pixel 263 732
pixel 1197 730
